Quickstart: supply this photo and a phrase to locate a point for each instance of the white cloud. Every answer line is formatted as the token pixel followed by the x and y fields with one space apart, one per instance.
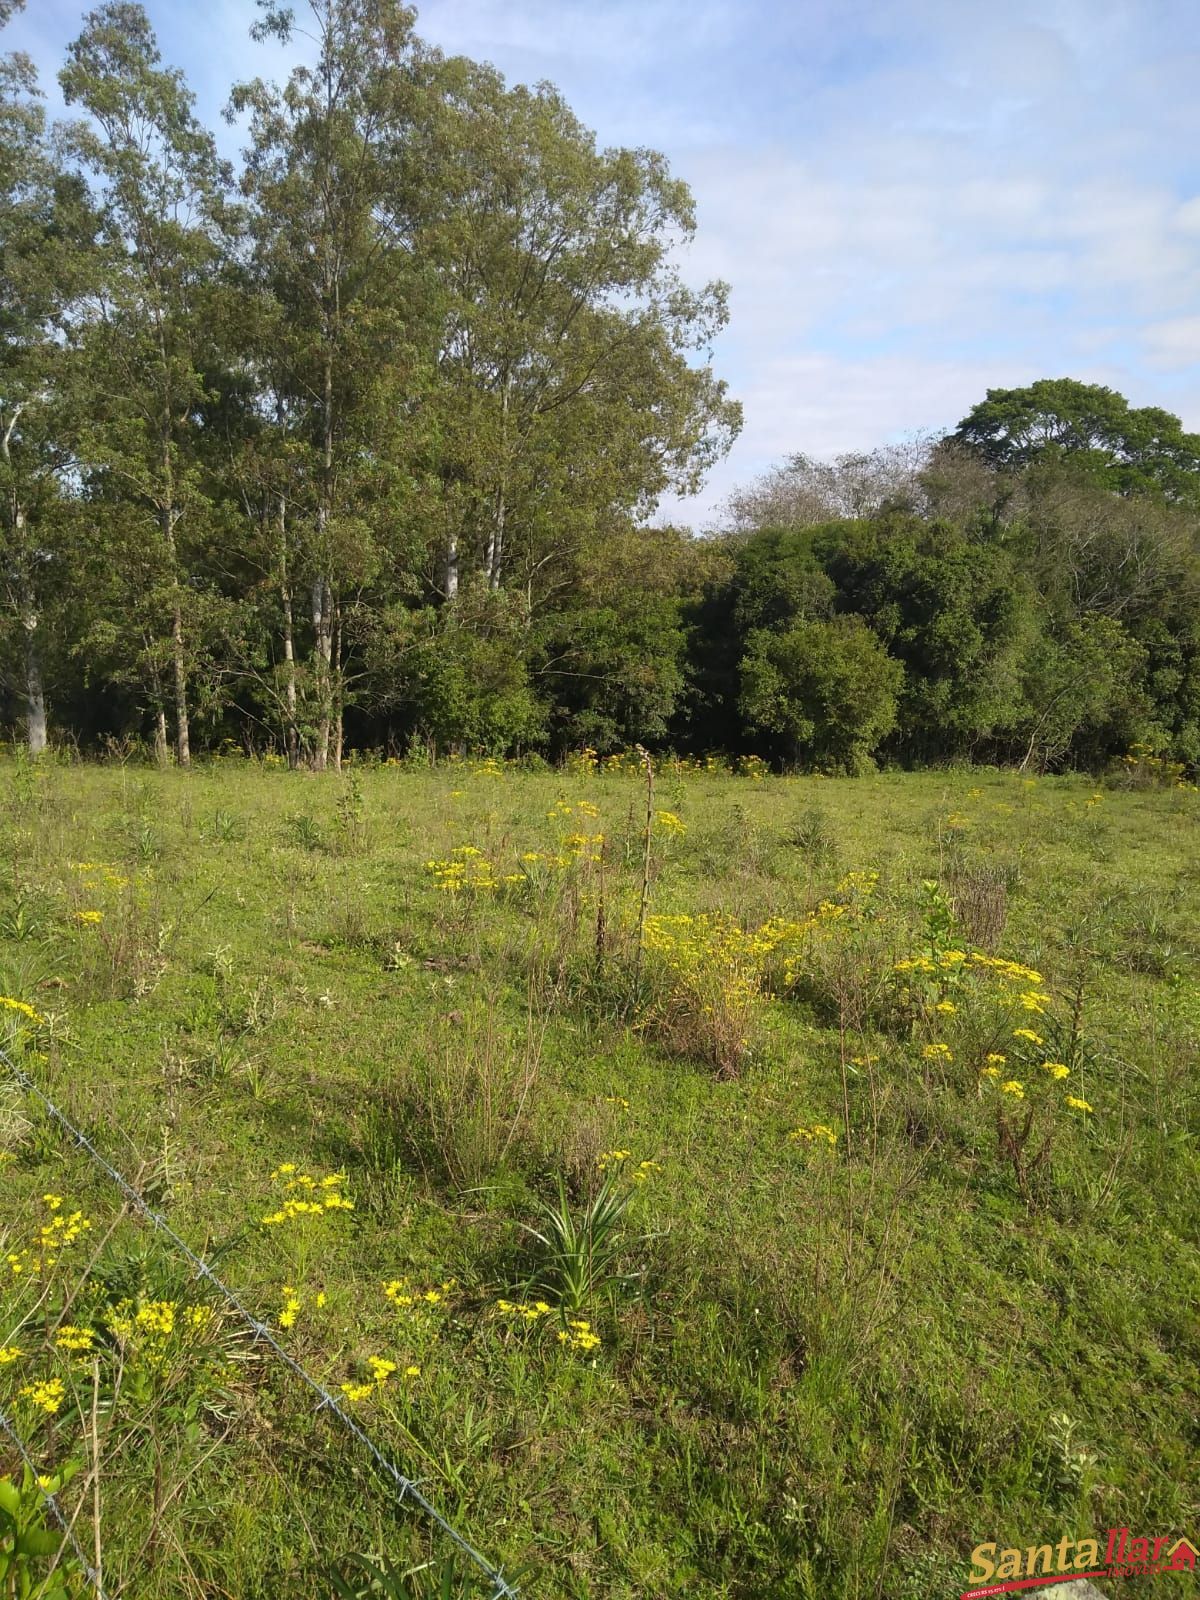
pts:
pixel 913 200
pixel 1174 343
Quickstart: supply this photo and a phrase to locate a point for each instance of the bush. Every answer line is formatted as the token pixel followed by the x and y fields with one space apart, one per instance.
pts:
pixel 827 690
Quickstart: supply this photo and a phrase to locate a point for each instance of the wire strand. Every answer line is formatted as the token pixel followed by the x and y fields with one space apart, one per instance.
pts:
pixel 404 1488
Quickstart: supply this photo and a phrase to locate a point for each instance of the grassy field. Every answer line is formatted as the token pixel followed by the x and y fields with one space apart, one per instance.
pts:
pixel 838 1294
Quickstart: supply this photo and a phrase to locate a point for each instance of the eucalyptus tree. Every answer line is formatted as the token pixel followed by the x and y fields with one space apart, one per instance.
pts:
pixel 43 251
pixel 330 181
pixel 567 401
pixel 145 334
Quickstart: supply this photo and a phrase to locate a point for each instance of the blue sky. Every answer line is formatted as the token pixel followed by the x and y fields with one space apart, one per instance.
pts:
pixel 911 199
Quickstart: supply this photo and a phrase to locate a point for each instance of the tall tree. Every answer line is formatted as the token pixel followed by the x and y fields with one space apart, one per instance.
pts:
pixel 566 398
pixel 329 177
pixel 1093 427
pixel 146 333
pixel 43 235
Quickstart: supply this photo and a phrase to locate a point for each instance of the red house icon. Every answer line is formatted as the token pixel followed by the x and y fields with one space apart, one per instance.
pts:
pixel 1182 1557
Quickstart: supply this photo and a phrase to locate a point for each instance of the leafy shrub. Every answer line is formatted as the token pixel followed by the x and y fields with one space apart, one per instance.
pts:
pixel 826 690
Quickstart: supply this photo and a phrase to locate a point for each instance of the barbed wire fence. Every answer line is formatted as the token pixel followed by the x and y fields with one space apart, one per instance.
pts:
pixel 404 1489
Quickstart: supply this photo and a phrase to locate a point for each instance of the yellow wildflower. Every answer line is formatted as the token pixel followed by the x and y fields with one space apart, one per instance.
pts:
pixel 20 1006
pixel 578 1335
pixel 72 1338
pixel 48 1395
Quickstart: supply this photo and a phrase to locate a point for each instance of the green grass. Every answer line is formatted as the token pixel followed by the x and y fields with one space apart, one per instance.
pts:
pixel 822 1371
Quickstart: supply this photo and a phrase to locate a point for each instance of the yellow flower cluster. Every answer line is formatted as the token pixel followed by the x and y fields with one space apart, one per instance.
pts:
pixel 1140 761
pixel 53 1237
pixel 608 1159
pixel 578 1335
pixel 949 961
pixel 324 1195
pixel 79 1340
pixel 22 1008
pixel 114 880
pixel 406 1296
pixel 47 1396
pixel 669 822
pixel 814 1133
pixel 565 809
pixel 9 1353
pixel 381 1371
pixel 89 919
pixel 465 869
pixel 523 1312
pixel 156 1322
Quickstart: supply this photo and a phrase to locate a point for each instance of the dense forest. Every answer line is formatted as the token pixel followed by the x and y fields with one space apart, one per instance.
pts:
pixel 357 446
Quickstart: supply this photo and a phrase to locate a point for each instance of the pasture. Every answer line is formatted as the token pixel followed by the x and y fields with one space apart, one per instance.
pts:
pixel 767 1186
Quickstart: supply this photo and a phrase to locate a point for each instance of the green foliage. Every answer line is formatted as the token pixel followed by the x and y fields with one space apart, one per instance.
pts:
pixel 581 1247
pixel 827 689
pixel 363 1579
pixel 1093 427
pixel 468 685
pixel 31 1546
pixel 827 1340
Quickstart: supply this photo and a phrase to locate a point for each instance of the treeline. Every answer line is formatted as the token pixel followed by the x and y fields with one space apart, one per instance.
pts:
pixel 355 445
pixel 345 443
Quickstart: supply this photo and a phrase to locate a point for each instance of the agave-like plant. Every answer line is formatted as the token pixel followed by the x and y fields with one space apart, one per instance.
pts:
pixel 581 1248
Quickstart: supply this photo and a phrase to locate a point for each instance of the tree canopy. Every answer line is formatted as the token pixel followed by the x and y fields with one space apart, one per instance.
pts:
pixel 357 441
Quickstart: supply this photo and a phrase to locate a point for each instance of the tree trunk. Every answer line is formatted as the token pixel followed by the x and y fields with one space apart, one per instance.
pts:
pixel 323 587
pixel 183 753
pixel 496 543
pixel 495 547
pixel 336 687
pixel 34 697
pixel 450 575
pixel 160 738
pixel 168 516
pixel 291 731
pixel 322 615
